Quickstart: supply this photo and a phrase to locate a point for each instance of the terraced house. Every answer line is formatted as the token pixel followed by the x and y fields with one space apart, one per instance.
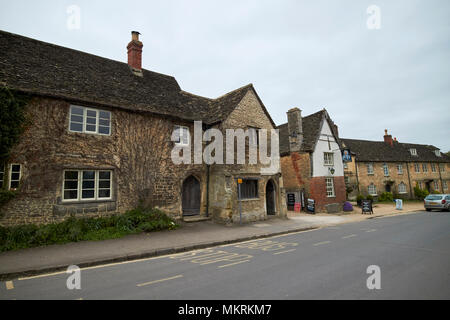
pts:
pixel 391 166
pixel 100 140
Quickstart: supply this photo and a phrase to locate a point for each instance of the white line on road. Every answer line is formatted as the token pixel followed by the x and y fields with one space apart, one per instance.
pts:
pixel 349 236
pixel 320 243
pixel 232 264
pixel 284 251
pixel 160 280
pixel 371 230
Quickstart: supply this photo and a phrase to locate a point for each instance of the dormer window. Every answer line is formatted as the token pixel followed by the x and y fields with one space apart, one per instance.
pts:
pixel 413 152
pixel 437 153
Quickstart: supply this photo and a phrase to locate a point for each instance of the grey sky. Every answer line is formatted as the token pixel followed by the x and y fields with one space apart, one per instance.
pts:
pixel 308 54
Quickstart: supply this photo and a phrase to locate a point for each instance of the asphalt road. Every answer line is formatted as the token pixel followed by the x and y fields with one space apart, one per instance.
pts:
pixel 412 252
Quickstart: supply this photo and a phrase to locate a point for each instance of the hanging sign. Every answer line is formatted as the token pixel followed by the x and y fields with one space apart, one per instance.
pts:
pixel 346 155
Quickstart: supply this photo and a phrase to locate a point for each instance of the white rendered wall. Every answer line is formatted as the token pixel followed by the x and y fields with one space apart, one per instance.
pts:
pixel 319 169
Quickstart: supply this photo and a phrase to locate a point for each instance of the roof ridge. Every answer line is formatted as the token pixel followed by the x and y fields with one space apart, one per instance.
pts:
pixel 250 85
pixel 79 51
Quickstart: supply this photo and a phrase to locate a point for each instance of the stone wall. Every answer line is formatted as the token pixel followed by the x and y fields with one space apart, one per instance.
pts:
pixel 137 151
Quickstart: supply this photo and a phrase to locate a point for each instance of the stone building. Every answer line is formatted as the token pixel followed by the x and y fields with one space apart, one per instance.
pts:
pixel 311 161
pixel 102 133
pixel 391 166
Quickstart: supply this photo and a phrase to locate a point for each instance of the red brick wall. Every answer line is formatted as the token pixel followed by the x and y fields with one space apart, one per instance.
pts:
pixel 318 192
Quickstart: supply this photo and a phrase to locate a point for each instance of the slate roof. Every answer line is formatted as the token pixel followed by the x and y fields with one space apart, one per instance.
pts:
pixel 379 151
pixel 311 126
pixel 46 69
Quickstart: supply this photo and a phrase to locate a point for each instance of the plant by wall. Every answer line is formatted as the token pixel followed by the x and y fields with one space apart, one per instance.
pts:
pixel 420 193
pixel 12 119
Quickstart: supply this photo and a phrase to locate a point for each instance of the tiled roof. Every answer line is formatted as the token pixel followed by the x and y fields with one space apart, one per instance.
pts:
pixel 380 151
pixel 46 69
pixel 311 126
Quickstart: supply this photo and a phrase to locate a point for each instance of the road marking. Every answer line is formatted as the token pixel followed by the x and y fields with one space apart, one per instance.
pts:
pixel 320 243
pixel 232 264
pixel 284 251
pixel 349 236
pixel 371 230
pixel 160 280
pixel 9 285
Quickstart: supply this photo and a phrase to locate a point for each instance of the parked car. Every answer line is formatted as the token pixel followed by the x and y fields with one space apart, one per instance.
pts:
pixel 437 201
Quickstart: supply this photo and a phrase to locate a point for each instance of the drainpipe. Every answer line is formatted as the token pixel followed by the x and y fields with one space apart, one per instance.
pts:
pixel 440 177
pixel 207 190
pixel 409 179
pixel 357 179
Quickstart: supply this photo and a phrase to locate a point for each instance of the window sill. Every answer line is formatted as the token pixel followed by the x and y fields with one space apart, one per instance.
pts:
pixel 250 199
pixel 75 202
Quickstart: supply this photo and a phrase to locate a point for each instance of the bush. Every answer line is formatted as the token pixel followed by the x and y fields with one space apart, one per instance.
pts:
pixel 386 196
pixel 73 229
pixel 420 193
pixel 435 192
pixel 5 196
pixel 369 197
pixel 359 198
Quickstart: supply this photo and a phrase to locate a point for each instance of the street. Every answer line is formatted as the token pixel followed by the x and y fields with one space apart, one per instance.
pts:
pixel 412 252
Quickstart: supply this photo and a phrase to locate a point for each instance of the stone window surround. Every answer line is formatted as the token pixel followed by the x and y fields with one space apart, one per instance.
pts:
pixel 405 189
pixel 372 189
pixel 385 168
pixel 370 170
pixel 258 194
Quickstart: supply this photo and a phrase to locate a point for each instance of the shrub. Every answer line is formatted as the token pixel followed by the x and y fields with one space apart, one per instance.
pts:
pixel 420 193
pixel 386 196
pixel 5 196
pixel 73 229
pixel 359 198
pixel 369 197
pixel 435 192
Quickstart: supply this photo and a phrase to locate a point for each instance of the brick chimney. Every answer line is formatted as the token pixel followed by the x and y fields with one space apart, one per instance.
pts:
pixel 135 51
pixel 295 128
pixel 388 138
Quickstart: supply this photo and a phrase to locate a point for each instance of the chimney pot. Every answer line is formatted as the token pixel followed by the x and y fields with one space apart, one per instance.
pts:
pixel 295 128
pixel 388 138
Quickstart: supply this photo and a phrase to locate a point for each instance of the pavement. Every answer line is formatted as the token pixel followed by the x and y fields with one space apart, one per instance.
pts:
pixel 190 236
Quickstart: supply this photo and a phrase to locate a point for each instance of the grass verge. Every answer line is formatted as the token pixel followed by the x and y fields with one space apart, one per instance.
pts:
pixel 80 229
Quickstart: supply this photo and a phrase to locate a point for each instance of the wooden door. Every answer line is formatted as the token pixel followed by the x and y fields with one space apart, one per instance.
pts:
pixel 191 197
pixel 270 197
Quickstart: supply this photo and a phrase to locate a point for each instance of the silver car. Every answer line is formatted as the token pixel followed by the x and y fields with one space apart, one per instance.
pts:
pixel 437 201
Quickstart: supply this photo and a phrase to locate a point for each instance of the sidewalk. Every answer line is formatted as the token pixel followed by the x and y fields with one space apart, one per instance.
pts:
pixel 190 237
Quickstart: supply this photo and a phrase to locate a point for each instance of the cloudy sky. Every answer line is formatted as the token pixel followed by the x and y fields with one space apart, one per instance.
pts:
pixel 306 54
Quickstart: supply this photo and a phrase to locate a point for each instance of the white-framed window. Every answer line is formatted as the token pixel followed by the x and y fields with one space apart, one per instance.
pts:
pixel 2 175
pixel 413 152
pixel 416 167
pixel 182 136
pixel 424 167
pixel 436 186
pixel 444 185
pixel 437 153
pixel 441 167
pixel 330 187
pixel 385 169
pixel 85 185
pixel 15 172
pixel 433 167
pixel 402 188
pixel 370 168
pixel 372 189
pixel 328 158
pixel 400 169
pixel 89 120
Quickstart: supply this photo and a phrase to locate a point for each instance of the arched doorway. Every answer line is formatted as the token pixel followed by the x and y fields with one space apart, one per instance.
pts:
pixel 270 198
pixel 191 196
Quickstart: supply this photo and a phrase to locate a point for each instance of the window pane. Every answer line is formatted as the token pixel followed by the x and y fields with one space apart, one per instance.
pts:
pixel 87 194
pixel 104 184
pixel 103 122
pixel 104 175
pixel 88 184
pixel 15 168
pixel 91 113
pixel 71 175
pixel 76 118
pixel 104 193
pixel 14 184
pixel 103 130
pixel 15 176
pixel 72 194
pixel 88 175
pixel 91 120
pixel 76 110
pixel 90 128
pixel 105 114
pixel 71 185
pixel 76 127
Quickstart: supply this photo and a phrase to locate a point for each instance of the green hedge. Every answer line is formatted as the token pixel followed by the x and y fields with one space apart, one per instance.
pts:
pixel 79 229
